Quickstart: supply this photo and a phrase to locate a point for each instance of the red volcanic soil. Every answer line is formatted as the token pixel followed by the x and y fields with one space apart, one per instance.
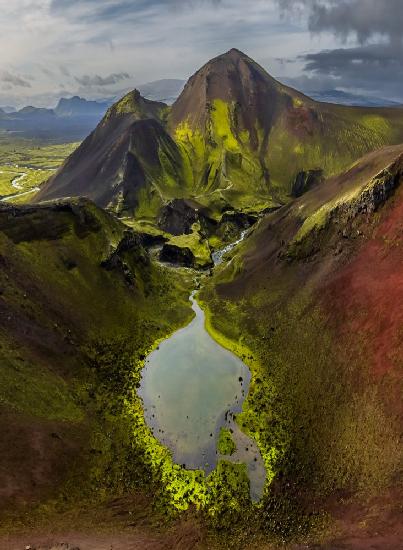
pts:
pixel 365 295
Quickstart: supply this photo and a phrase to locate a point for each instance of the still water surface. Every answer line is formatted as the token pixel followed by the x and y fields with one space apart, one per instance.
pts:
pixel 191 387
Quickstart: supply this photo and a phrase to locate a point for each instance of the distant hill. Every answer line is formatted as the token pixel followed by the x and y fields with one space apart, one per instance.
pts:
pixel 78 106
pixel 71 120
pixel 29 112
pixel 8 109
pixel 344 98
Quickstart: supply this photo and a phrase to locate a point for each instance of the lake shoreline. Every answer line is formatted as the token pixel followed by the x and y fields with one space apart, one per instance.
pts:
pixel 241 353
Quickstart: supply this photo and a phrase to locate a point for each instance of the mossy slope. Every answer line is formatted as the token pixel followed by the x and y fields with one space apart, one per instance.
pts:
pixel 128 164
pixel 311 316
pixel 73 278
pixel 248 136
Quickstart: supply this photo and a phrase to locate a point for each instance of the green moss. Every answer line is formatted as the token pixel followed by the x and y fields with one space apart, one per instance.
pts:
pixel 377 124
pixel 226 445
pixel 196 243
pixel 318 219
pixel 229 494
pixel 132 104
pixel 308 406
pixel 224 169
pixel 230 336
pixel 33 390
pixel 221 116
pixel 342 136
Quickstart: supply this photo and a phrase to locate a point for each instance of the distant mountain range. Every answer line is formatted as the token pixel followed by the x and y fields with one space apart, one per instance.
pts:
pixel 74 118
pixel 71 120
pixel 355 100
pixel 78 106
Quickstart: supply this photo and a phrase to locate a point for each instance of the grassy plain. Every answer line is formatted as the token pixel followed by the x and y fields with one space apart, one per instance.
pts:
pixel 25 164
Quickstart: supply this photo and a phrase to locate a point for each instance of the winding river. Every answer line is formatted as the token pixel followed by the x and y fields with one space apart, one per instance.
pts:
pixel 191 387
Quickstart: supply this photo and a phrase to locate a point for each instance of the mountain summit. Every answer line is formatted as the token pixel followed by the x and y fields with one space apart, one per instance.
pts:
pixel 233 78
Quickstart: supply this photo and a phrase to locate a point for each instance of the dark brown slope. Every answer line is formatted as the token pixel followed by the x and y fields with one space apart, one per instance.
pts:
pixel 118 159
pixel 234 78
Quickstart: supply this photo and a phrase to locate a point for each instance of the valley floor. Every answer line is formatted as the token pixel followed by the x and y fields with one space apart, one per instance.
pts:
pixel 314 302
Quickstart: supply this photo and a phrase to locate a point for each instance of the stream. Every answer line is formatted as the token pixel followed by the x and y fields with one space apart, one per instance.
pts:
pixel 16 182
pixel 192 387
pixel 218 255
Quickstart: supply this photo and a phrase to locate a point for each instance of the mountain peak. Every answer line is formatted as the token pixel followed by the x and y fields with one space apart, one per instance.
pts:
pixel 235 79
pixel 235 53
pixel 136 105
pixel 232 57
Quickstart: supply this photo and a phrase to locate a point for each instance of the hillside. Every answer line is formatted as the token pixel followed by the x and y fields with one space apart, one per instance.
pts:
pixel 78 302
pixel 313 295
pixel 250 136
pixel 123 163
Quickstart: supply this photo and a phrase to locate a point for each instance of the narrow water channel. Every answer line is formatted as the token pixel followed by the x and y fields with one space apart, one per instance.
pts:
pixel 191 387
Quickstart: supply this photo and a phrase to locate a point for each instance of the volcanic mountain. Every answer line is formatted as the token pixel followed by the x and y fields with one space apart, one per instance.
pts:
pixel 120 164
pixel 234 139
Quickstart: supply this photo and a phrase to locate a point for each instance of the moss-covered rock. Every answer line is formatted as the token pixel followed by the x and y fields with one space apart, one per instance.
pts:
pixel 226 445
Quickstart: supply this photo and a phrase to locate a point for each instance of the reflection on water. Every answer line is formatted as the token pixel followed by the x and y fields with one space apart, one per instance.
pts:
pixel 191 387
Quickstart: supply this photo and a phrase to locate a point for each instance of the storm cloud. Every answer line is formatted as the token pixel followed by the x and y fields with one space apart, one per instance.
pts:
pixel 14 80
pixel 97 80
pixel 364 18
pixel 374 63
pixel 88 45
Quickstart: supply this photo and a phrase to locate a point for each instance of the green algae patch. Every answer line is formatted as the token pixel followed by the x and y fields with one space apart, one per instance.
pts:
pixel 226 445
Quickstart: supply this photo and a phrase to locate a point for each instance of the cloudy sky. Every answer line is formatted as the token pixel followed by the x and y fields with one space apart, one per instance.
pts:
pixel 97 48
